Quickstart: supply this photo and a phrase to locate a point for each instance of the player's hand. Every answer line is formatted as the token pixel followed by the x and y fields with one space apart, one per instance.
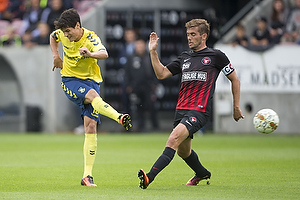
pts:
pixel 84 52
pixel 237 114
pixel 153 41
pixel 57 63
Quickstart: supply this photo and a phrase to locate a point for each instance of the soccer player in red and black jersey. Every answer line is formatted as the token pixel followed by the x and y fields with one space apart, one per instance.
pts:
pixel 199 68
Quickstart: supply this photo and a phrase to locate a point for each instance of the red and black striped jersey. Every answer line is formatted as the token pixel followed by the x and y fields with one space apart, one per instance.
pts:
pixel 199 72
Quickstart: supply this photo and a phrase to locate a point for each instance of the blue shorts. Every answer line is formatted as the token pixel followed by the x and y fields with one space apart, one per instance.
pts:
pixel 192 119
pixel 75 89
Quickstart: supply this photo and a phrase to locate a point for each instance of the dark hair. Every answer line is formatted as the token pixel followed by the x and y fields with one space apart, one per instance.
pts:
pixel 261 19
pixel 68 19
pixel 274 14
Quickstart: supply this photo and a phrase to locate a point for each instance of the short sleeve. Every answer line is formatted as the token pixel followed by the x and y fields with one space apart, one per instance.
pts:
pixel 56 35
pixel 96 44
pixel 224 64
pixel 174 66
pixel 222 60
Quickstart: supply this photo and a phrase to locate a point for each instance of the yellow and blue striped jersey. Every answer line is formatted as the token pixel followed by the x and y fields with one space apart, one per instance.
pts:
pixel 75 65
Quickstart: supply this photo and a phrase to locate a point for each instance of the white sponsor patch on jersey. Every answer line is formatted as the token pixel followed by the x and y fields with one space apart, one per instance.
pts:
pixel 194 76
pixel 186 65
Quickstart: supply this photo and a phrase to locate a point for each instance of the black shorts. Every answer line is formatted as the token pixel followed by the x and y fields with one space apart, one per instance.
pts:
pixel 192 119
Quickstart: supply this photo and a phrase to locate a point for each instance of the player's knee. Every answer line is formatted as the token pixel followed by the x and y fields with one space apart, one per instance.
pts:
pixel 90 95
pixel 173 141
pixel 91 128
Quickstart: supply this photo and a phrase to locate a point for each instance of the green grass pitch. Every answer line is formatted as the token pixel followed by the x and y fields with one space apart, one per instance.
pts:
pixel 45 166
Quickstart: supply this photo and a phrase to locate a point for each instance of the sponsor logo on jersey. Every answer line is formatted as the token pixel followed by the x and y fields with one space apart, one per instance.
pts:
pixel 228 69
pixel 194 76
pixel 186 65
pixel 75 58
pixel 206 61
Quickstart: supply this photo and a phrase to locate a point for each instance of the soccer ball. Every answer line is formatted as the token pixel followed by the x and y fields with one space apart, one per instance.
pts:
pixel 266 121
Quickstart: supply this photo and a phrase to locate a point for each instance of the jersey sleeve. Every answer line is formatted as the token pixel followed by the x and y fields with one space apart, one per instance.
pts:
pixel 96 44
pixel 224 64
pixel 174 66
pixel 56 35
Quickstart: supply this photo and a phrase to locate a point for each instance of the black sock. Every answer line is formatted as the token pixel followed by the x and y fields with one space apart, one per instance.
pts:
pixel 193 162
pixel 161 162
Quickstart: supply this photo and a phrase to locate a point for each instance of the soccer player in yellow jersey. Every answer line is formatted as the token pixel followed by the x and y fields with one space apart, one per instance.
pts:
pixel 81 79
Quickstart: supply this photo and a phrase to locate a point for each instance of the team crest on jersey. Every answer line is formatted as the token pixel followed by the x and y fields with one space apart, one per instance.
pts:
pixel 206 61
pixel 81 90
pixel 185 65
pixel 193 119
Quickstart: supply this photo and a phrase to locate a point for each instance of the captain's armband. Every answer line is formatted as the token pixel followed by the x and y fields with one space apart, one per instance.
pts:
pixel 228 69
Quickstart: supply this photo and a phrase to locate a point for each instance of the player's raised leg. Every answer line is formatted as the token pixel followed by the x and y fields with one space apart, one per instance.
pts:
pixel 105 109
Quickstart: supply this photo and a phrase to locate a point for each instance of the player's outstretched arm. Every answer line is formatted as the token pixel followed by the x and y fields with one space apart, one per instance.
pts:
pixel 160 70
pixel 235 88
pixel 57 61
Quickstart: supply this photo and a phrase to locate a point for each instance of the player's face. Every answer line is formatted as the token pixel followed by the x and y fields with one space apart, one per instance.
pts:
pixel 196 41
pixel 73 34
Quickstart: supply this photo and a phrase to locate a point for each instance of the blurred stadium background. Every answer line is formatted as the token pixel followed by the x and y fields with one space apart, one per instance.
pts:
pixel 31 98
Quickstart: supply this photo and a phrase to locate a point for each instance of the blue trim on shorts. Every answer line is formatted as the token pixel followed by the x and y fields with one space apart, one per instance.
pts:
pixel 75 89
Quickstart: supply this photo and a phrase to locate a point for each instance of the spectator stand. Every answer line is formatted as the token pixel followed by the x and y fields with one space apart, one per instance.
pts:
pixel 247 17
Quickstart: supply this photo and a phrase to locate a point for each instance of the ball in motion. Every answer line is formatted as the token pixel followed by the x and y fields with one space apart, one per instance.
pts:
pixel 266 121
